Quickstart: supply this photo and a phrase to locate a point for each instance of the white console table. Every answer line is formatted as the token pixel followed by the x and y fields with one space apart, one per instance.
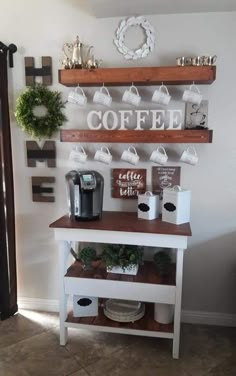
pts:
pixel 121 228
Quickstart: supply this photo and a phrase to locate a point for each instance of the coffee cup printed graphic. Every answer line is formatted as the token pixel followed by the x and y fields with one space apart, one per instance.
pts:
pixel 77 98
pixel 161 96
pixel 189 156
pixel 103 155
pixel 159 155
pixel 78 154
pixel 131 156
pixel 132 96
pixel 102 96
pixel 192 95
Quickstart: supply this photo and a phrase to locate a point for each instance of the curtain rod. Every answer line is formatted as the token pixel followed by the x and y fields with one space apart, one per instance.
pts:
pixel 11 49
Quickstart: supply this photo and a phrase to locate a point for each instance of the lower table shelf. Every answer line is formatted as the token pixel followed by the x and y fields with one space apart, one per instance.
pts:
pixel 146 326
pixel 145 286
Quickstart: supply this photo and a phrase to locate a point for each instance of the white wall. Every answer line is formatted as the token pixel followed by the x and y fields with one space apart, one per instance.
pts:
pixel 40 29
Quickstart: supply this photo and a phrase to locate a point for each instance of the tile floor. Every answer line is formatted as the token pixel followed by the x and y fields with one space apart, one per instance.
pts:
pixel 29 346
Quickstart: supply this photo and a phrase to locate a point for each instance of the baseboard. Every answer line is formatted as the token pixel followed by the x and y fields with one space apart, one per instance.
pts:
pixel 190 317
pixel 44 305
pixel 208 318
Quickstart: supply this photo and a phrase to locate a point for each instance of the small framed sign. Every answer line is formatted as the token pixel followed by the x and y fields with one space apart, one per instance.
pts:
pixel 196 116
pixel 128 182
pixel 164 177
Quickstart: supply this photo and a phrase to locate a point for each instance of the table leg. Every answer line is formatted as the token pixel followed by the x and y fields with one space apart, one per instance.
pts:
pixel 64 251
pixel 178 300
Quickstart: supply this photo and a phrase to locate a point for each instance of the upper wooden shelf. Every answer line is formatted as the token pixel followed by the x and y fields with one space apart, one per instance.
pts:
pixel 138 75
pixel 196 136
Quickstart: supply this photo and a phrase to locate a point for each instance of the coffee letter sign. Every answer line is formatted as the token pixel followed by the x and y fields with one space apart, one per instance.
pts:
pixel 128 183
pixel 111 120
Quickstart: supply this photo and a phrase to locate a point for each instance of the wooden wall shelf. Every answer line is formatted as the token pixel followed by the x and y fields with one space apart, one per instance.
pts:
pixel 138 75
pixel 130 136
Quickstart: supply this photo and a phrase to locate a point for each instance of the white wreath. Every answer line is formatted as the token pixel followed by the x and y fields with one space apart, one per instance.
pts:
pixel 146 48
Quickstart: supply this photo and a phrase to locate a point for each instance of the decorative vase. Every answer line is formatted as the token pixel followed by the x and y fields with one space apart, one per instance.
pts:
pixel 164 313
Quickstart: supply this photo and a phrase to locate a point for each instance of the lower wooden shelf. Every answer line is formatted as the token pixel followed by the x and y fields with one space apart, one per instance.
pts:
pixel 197 136
pixel 146 326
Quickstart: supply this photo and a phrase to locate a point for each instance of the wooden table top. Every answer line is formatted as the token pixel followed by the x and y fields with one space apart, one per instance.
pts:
pixel 124 221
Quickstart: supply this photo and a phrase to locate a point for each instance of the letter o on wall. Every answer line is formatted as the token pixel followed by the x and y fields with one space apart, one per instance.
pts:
pixel 113 117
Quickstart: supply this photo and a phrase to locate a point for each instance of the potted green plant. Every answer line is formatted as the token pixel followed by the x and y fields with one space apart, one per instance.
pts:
pixel 162 261
pixel 122 258
pixel 87 255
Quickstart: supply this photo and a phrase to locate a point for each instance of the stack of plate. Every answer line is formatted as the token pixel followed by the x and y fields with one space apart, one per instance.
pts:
pixel 124 310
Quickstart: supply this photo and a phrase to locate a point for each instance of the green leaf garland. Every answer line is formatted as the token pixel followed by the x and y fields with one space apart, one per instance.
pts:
pixel 40 126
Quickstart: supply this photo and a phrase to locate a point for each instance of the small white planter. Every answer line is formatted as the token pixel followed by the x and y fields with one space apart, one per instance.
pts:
pixel 132 270
pixel 164 313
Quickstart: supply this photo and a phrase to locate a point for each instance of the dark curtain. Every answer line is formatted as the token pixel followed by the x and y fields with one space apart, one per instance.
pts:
pixel 8 282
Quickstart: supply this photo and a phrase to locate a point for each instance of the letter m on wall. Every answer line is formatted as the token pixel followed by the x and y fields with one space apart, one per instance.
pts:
pixel 46 153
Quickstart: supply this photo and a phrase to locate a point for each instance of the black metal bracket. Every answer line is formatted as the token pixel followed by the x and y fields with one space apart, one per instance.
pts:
pixel 11 49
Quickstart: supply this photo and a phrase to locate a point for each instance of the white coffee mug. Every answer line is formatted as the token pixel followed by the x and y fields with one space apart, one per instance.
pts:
pixel 77 98
pixel 102 98
pixel 161 96
pixel 192 95
pixel 189 156
pixel 159 155
pixel 130 155
pixel 132 96
pixel 78 154
pixel 103 155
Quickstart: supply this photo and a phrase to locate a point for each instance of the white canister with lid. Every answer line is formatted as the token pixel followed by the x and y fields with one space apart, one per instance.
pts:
pixel 176 205
pixel 148 206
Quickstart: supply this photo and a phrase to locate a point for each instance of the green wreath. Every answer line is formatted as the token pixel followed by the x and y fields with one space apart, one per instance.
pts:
pixel 40 126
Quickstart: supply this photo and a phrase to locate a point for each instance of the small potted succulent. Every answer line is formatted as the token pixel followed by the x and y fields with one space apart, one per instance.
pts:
pixel 122 258
pixel 87 255
pixel 162 261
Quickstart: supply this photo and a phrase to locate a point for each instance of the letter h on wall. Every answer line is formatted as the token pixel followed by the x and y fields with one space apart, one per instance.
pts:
pixel 45 72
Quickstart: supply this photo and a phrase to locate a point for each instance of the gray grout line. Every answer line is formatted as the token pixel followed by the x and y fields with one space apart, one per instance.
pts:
pixel 83 369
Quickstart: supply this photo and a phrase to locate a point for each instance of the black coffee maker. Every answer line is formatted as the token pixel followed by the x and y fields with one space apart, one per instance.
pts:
pixel 85 194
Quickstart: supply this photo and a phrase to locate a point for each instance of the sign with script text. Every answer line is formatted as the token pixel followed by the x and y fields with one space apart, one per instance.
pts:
pixel 128 182
pixel 164 177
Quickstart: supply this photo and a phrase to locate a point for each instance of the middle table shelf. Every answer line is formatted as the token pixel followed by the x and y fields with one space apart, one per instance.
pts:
pixel 146 286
